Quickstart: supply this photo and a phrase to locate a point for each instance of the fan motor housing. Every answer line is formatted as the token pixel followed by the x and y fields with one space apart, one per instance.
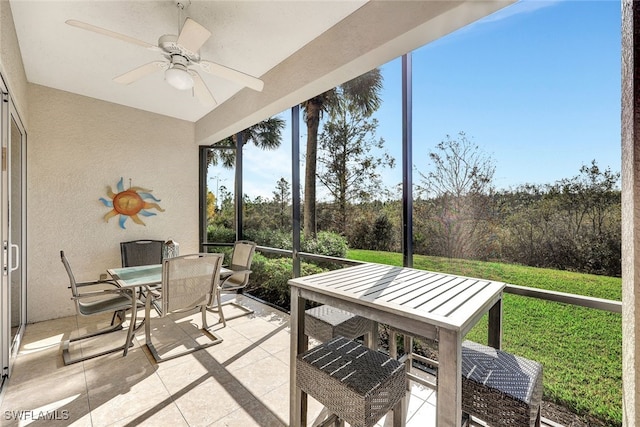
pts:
pixel 169 43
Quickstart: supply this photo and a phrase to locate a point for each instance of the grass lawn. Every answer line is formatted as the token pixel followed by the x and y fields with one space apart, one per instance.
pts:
pixel 579 348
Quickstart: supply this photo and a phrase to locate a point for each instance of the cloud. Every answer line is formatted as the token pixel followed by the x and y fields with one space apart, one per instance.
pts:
pixel 519 8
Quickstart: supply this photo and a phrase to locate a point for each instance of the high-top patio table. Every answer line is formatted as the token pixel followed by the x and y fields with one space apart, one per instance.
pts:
pixel 421 303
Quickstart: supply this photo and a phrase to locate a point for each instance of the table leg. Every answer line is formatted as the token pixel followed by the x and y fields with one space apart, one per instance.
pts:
pixel 299 344
pixel 449 397
pixel 495 325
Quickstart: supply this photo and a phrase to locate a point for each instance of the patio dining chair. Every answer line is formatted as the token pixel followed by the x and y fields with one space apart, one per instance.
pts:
pixel 98 301
pixel 141 252
pixel 236 281
pixel 188 282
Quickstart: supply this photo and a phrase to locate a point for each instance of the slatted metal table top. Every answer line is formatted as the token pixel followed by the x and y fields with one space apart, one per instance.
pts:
pixel 444 300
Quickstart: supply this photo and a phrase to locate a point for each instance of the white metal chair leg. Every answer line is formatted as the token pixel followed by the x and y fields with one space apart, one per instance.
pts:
pixel 66 355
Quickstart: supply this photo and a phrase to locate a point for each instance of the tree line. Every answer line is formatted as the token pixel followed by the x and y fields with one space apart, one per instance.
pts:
pixel 571 224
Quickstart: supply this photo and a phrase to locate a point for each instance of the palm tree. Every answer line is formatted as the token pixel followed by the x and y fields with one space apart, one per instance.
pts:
pixel 266 135
pixel 363 93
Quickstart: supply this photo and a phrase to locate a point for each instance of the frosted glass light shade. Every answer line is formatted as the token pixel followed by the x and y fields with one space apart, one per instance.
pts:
pixel 178 78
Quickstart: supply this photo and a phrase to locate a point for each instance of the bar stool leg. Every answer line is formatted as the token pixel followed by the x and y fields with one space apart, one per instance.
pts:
pixel 393 344
pixel 371 337
pixel 399 413
pixel 407 341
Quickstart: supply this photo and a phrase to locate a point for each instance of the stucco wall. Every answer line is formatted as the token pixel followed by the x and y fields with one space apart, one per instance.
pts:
pixel 11 65
pixel 78 146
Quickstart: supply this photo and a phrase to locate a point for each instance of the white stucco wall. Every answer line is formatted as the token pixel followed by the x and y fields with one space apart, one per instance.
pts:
pixel 11 65
pixel 78 146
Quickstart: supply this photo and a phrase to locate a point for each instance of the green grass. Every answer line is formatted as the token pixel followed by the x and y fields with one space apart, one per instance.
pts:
pixel 580 348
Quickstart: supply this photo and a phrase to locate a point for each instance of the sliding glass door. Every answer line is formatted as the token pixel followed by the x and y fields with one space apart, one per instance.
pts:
pixel 12 214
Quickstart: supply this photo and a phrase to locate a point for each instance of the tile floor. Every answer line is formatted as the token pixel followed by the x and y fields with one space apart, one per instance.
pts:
pixel 243 381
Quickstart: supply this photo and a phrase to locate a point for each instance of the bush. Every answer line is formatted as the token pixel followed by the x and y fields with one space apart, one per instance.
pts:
pixel 358 235
pixel 219 234
pixel 269 278
pixel 378 236
pixel 272 238
pixel 326 243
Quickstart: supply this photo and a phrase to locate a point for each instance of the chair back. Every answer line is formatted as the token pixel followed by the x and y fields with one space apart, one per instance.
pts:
pixel 189 281
pixel 241 259
pixel 141 252
pixel 72 280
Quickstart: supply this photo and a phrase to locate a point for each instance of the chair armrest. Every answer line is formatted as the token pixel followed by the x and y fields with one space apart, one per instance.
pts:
pixel 153 296
pixel 234 272
pixel 97 282
pixel 230 275
pixel 153 291
pixel 102 292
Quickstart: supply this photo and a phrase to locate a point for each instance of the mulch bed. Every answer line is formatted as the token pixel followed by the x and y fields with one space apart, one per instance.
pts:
pixel 567 418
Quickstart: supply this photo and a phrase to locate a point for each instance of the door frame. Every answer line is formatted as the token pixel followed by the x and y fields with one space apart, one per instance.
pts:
pixel 9 347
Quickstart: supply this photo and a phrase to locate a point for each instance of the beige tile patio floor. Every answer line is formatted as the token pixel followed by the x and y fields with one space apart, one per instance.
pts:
pixel 243 381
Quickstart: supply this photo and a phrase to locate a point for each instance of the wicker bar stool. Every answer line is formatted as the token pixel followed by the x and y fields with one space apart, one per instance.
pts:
pixel 356 384
pixel 497 387
pixel 326 322
pixel 500 388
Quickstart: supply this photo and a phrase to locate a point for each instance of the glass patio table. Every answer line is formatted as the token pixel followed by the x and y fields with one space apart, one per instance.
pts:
pixel 145 275
pixel 133 277
pixel 418 302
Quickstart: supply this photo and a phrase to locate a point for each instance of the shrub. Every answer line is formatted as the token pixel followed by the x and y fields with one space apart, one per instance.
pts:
pixel 268 237
pixel 269 278
pixel 378 236
pixel 219 234
pixel 326 243
pixel 359 234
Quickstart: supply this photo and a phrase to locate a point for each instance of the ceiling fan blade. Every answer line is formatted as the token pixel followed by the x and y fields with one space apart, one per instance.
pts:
pixel 193 35
pixel 140 72
pixel 232 75
pixel 112 34
pixel 201 91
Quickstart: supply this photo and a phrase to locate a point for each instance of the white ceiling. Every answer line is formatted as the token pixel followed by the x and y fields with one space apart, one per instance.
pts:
pixel 250 36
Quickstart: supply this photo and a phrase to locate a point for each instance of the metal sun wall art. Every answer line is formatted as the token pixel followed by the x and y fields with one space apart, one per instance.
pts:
pixel 129 203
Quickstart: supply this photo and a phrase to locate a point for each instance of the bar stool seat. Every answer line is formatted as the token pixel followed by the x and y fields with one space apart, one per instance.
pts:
pixel 357 384
pixel 500 388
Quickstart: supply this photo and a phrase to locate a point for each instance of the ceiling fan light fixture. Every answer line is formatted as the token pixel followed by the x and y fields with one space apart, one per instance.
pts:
pixel 178 78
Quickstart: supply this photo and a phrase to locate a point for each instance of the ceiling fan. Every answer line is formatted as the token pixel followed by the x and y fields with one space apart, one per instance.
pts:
pixel 181 56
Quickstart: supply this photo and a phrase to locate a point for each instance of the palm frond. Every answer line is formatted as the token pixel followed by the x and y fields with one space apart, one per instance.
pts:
pixel 363 92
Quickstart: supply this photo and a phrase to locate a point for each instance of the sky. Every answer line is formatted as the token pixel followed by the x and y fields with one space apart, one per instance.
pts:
pixel 536 86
